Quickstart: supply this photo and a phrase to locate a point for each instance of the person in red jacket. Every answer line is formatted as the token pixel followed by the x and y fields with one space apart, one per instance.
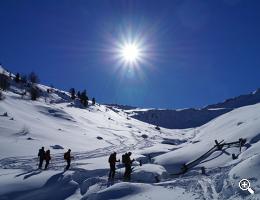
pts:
pixel 112 162
pixel 47 158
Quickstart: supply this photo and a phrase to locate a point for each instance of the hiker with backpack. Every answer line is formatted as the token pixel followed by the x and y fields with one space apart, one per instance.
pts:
pixel 128 163
pixel 68 158
pixel 47 158
pixel 41 155
pixel 112 162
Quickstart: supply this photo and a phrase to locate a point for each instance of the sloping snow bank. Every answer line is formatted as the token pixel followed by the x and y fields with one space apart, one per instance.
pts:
pixel 248 169
pixel 116 191
pixel 140 191
pixel 38 185
pixel 240 123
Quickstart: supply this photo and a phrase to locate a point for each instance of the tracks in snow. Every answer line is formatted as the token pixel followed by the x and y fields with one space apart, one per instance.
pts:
pixel 28 163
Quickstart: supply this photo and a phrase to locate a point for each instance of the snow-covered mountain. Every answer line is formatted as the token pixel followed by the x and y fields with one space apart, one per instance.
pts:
pixel 191 117
pixel 177 119
pixel 58 123
pixel 236 102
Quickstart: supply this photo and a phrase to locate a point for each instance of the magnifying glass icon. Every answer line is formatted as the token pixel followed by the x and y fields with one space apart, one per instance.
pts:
pixel 244 184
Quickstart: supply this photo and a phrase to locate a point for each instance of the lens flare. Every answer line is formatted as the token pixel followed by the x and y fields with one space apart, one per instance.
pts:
pixel 130 53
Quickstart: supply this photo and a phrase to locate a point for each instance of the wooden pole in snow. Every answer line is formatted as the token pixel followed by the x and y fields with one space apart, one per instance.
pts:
pixel 219 146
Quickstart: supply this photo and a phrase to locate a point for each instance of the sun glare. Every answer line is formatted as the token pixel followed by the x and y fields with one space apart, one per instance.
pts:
pixel 130 53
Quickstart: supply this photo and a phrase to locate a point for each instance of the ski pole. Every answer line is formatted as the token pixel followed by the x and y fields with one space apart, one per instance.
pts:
pixel 38 160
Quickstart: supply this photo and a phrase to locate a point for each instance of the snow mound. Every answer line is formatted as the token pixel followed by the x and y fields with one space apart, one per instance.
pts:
pixel 140 191
pixel 57 186
pixel 88 183
pixel 247 169
pixel 116 191
pixel 149 173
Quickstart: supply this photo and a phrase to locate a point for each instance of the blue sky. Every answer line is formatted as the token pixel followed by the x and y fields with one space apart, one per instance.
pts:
pixel 196 52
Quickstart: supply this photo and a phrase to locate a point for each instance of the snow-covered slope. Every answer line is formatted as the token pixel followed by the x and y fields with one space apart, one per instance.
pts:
pixel 240 123
pixel 58 123
pixel 236 102
pixel 224 172
pixel 189 118
pixel 177 119
pixel 31 124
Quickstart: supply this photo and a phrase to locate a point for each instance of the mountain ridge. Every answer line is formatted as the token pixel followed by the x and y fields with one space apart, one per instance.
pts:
pixel 188 117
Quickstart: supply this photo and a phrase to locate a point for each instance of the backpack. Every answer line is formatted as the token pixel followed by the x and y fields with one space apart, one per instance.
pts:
pixel 47 157
pixel 124 158
pixel 66 156
pixel 39 153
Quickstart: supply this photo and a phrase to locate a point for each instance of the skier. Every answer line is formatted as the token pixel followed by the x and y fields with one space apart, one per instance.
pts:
pixel 41 155
pixel 47 158
pixel 68 158
pixel 128 163
pixel 112 161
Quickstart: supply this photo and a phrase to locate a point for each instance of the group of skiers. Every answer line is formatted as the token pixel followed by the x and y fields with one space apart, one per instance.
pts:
pixel 46 155
pixel 126 160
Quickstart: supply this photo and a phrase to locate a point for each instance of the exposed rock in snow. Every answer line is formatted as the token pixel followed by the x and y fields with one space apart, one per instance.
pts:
pixel 56 146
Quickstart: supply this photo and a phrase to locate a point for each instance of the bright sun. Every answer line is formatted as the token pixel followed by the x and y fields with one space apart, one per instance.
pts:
pixel 130 53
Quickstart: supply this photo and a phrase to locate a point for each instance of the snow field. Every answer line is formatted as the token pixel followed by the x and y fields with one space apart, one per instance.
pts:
pixel 57 123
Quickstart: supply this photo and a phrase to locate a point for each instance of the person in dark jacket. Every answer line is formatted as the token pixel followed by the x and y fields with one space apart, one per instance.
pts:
pixel 112 162
pixel 68 158
pixel 41 155
pixel 128 163
pixel 47 158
